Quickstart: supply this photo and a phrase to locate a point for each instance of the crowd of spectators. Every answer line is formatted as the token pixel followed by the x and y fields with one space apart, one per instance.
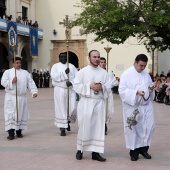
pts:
pixel 41 78
pixel 21 20
pixel 162 88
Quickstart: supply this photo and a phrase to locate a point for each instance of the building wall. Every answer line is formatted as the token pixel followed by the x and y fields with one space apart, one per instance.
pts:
pixel 50 12
pixel 14 8
pixel 164 61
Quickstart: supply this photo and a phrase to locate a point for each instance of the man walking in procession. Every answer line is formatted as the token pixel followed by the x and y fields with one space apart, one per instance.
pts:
pixel 93 85
pixel 137 94
pixel 109 101
pixel 24 83
pixel 59 75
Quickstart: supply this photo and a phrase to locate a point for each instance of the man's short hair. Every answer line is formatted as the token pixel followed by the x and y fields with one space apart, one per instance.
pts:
pixel 141 57
pixel 63 54
pixel 91 52
pixel 16 58
pixel 102 58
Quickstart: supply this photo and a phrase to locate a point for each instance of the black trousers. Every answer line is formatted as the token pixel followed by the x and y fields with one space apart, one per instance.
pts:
pixel 135 153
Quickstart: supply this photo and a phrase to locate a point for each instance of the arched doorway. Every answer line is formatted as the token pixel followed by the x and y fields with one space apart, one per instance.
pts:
pixel 24 61
pixel 4 63
pixel 73 59
pixel 2 8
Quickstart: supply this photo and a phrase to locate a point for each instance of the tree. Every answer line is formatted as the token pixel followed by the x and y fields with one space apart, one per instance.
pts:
pixel 117 20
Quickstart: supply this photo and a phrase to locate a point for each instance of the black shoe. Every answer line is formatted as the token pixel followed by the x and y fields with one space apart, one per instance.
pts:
pixel 134 159
pixel 69 128
pixel 19 134
pixel 145 155
pixel 168 103
pixel 96 156
pixel 10 137
pixel 63 132
pixel 79 155
pixel 105 129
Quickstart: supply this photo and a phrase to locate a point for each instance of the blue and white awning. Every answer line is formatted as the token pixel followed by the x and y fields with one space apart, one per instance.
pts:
pixel 21 29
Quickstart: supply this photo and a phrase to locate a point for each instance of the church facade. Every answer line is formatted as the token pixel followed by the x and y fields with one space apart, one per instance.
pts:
pixel 52 16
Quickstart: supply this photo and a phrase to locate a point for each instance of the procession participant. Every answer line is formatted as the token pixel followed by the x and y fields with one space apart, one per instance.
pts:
pixel 41 78
pixel 93 85
pixel 59 77
pixel 110 104
pixel 24 83
pixel 135 93
pixel 37 76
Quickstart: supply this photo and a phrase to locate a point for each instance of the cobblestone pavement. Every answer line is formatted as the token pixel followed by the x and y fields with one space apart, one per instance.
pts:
pixel 42 147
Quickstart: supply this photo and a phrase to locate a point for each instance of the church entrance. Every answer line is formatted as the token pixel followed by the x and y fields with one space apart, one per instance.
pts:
pixel 77 52
pixel 4 63
pixel 24 61
pixel 73 59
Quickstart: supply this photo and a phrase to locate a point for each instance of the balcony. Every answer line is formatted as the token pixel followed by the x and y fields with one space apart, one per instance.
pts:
pixel 21 29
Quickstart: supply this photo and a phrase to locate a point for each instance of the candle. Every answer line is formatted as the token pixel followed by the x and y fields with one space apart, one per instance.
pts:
pixel 13 41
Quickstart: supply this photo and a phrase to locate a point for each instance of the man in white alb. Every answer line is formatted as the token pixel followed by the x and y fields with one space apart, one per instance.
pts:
pixel 93 85
pixel 59 75
pixel 110 101
pixel 24 83
pixel 136 92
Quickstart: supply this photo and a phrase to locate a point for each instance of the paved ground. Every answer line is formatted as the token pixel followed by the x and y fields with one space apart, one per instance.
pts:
pixel 42 148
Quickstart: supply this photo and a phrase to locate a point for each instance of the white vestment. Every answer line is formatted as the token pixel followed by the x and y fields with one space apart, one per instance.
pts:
pixel 91 109
pixel 130 82
pixel 110 105
pixel 24 83
pixel 59 78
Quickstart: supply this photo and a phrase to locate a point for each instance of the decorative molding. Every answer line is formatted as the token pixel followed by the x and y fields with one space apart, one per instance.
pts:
pixel 26 1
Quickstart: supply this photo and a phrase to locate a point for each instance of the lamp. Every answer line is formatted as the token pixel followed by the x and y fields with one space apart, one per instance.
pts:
pixel 54 32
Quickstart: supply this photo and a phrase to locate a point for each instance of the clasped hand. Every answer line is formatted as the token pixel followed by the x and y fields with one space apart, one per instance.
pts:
pixel 96 86
pixel 67 70
pixel 14 80
pixel 140 93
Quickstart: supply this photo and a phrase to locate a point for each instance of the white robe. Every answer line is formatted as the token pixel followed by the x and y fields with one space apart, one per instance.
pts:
pixel 24 83
pixel 110 100
pixel 59 78
pixel 130 82
pixel 91 108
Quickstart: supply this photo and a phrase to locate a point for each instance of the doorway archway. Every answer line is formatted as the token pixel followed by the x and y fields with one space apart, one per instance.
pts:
pixel 24 61
pixel 4 63
pixel 73 59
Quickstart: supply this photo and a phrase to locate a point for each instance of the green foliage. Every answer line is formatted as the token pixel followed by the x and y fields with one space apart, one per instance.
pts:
pixel 117 20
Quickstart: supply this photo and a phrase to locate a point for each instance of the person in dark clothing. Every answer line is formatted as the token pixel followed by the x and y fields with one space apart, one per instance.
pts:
pixel 41 79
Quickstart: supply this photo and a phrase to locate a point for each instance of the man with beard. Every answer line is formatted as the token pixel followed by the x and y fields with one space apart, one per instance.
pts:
pixel 136 92
pixel 59 75
pixel 93 85
pixel 24 83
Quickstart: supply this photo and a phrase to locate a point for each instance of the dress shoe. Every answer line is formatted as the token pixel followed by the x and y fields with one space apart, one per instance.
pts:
pixel 10 137
pixel 68 129
pixel 96 156
pixel 63 132
pixel 145 155
pixel 79 155
pixel 134 159
pixel 19 134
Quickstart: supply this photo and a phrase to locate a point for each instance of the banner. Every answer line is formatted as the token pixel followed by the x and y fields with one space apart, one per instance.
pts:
pixel 12 36
pixel 33 41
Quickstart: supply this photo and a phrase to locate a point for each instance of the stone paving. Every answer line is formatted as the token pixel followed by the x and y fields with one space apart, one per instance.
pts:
pixel 42 147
